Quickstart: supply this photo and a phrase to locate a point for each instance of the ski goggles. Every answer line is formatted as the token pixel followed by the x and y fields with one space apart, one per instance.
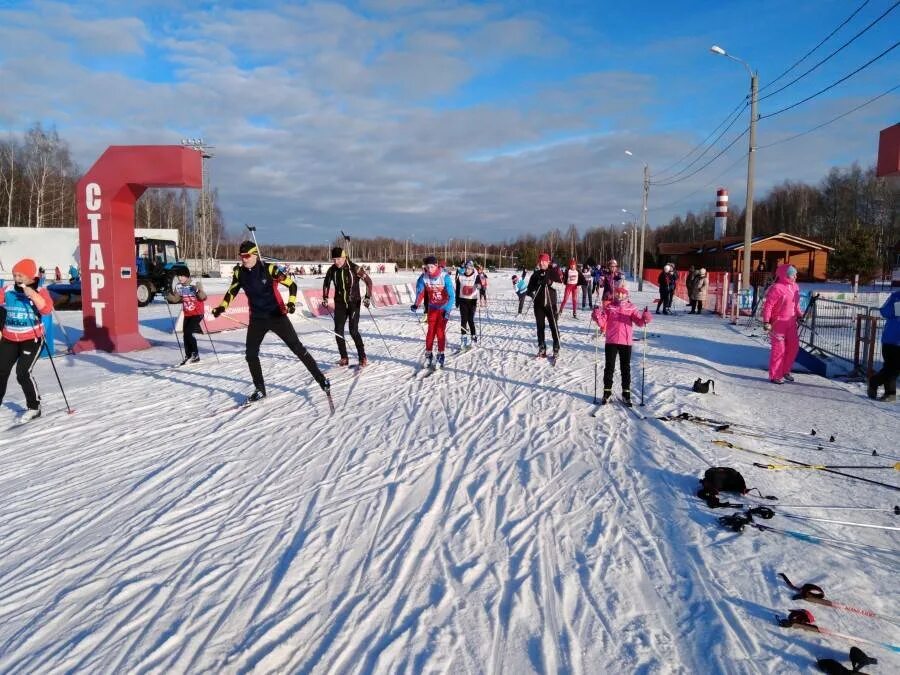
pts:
pixel 248 254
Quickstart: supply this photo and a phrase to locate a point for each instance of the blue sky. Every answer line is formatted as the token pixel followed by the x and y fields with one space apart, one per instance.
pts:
pixel 407 117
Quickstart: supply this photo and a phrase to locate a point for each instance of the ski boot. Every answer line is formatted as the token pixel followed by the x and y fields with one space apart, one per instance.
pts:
pixel 363 361
pixel 888 398
pixel 474 340
pixel 344 361
pixel 440 360
pixel 326 386
pixel 607 394
pixel 194 359
pixel 555 354
pixel 186 359
pixel 463 343
pixel 626 398
pixel 429 360
pixel 542 352
pixel 574 315
pixel 872 390
pixel 30 414
pixel 257 395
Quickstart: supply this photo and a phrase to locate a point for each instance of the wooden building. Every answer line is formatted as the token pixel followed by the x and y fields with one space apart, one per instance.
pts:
pixel 727 255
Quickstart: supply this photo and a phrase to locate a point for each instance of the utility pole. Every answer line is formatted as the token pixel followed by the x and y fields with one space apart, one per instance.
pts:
pixel 751 161
pixel 646 198
pixel 205 226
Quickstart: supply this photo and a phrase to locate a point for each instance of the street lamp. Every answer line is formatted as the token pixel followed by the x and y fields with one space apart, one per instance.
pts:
pixel 751 156
pixel 645 198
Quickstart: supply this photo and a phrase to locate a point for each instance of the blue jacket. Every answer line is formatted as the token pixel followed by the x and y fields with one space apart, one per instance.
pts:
pixel 441 294
pixel 891 311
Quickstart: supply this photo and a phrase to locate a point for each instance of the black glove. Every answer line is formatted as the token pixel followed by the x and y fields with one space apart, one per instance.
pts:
pixel 446 314
pixel 291 307
pixel 366 302
pixel 413 308
pixel 324 302
pixel 217 311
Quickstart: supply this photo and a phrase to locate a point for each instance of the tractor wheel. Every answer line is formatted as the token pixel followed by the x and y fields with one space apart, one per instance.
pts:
pixel 145 293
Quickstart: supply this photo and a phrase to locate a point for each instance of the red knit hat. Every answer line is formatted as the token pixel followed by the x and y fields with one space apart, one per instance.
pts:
pixel 26 267
pixel 544 257
pixel 571 261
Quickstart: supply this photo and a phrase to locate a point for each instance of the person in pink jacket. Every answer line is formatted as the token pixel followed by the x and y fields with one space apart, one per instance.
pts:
pixel 617 319
pixel 781 318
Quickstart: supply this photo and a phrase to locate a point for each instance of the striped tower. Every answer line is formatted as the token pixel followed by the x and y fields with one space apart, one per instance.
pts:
pixel 721 212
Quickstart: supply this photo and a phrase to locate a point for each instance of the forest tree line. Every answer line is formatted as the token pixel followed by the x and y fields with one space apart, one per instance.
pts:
pixel 849 209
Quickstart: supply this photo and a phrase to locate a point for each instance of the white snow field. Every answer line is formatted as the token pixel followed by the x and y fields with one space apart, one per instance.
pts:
pixel 480 520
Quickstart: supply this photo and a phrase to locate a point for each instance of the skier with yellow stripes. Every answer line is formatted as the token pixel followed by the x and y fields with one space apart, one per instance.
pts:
pixel 268 312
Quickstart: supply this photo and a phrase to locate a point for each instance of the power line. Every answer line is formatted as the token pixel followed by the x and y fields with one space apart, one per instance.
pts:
pixel 696 171
pixel 835 83
pixel 823 41
pixel 836 51
pixel 672 178
pixel 833 119
pixel 740 107
pixel 705 187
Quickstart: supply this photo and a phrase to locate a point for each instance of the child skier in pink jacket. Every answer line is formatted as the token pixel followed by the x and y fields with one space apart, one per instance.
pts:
pixel 617 319
pixel 781 317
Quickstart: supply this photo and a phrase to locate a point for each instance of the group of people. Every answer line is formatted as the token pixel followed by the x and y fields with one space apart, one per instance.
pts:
pixel 23 305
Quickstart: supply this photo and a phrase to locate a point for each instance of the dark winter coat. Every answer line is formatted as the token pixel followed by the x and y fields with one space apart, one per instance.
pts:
pixel 346 283
pixel 540 286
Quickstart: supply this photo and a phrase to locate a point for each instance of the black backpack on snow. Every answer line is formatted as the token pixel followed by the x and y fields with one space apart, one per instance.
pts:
pixel 702 387
pixel 721 479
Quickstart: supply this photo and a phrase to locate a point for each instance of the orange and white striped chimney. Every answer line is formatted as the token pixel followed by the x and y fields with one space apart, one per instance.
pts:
pixel 721 212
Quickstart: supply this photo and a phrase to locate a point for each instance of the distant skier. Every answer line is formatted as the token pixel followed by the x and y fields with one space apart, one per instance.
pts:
pixel 697 289
pixel 483 284
pixel 521 287
pixel 468 285
pixel 541 289
pixel 617 319
pixel 436 288
pixel 268 312
pixel 667 281
pixel 612 279
pixel 890 351
pixel 191 296
pixel 587 288
pixel 572 279
pixel 21 309
pixel 781 319
pixel 346 277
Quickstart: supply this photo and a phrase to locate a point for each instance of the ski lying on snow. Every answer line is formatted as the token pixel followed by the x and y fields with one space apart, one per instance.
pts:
pixel 599 406
pixel 815 594
pixel 803 619
pixel 20 423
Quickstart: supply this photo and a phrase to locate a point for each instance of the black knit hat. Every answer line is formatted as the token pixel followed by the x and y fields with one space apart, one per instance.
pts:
pixel 430 260
pixel 338 252
pixel 248 246
pixel 181 270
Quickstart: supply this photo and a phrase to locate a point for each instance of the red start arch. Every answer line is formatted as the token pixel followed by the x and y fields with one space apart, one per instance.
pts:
pixel 105 199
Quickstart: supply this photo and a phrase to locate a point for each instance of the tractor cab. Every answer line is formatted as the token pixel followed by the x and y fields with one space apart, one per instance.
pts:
pixel 154 260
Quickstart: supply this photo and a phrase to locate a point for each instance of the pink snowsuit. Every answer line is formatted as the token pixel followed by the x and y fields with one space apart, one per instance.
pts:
pixel 616 320
pixel 781 310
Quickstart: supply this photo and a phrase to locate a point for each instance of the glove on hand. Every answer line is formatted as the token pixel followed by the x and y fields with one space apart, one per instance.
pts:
pixel 366 302
pixel 291 307
pixel 446 315
pixel 217 311
pixel 413 308
pixel 767 327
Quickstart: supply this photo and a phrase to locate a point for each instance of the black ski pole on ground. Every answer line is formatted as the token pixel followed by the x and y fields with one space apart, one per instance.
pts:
pixel 209 335
pixel 58 381
pixel 386 348
pixel 174 330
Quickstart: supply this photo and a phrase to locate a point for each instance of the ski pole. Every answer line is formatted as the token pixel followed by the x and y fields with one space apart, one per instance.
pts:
pixel 797 516
pixel 209 335
pixel 386 348
pixel 63 330
pixel 801 618
pixel 596 360
pixel 643 364
pixel 782 467
pixel 58 381
pixel 785 459
pixel 895 509
pixel 174 330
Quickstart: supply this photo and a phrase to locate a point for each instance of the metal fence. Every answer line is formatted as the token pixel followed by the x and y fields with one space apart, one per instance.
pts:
pixel 847 330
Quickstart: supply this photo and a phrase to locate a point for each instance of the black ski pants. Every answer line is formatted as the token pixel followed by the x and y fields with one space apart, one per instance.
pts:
pixel 22 355
pixel 541 315
pixel 522 297
pixel 192 328
pixel 343 312
pixel 283 328
pixel 624 354
pixel 467 317
pixel 889 372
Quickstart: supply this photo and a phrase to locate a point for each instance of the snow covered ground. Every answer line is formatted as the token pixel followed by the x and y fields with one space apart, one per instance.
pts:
pixel 479 521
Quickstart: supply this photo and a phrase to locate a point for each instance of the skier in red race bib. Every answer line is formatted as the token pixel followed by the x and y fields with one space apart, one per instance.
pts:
pixel 572 279
pixel 191 296
pixel 436 287
pixel 468 285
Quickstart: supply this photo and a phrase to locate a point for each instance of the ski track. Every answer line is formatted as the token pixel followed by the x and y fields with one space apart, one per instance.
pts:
pixel 476 520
